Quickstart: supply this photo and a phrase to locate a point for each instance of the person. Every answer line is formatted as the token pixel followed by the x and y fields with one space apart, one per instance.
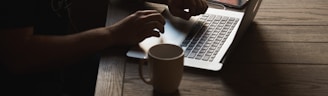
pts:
pixel 36 45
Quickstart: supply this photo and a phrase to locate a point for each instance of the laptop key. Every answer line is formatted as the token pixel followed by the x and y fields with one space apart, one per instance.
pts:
pixel 206 58
pixel 191 55
pixel 209 37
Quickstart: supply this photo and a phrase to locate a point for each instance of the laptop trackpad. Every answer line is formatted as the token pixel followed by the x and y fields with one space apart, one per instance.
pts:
pixel 142 50
pixel 176 30
pixel 170 36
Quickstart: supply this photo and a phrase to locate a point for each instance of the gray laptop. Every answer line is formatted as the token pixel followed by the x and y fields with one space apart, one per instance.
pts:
pixel 206 39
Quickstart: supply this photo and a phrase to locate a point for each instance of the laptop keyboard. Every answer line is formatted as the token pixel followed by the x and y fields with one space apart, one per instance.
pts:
pixel 207 38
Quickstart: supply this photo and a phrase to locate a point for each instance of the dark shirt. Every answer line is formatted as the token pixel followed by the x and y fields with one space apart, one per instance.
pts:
pixel 48 17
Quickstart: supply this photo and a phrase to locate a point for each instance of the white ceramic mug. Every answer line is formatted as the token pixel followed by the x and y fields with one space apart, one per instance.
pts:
pixel 165 63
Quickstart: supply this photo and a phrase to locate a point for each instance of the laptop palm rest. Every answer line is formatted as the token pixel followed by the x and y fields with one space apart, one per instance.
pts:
pixel 176 30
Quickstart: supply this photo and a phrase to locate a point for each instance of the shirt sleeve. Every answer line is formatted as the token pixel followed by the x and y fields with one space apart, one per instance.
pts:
pixel 17 13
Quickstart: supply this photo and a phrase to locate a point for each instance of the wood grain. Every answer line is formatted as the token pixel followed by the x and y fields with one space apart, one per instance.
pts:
pixel 267 44
pixel 110 74
pixel 283 53
pixel 242 80
pixel 289 34
pixel 293 12
pixel 276 79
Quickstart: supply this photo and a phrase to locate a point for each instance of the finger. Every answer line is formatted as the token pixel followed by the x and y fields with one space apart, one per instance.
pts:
pixel 198 7
pixel 204 7
pixel 145 12
pixel 153 17
pixel 179 12
pixel 155 25
pixel 153 28
pixel 155 34
pixel 193 5
pixel 150 33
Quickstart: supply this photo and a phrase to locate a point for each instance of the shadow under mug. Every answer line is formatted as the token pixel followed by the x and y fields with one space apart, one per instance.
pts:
pixel 165 62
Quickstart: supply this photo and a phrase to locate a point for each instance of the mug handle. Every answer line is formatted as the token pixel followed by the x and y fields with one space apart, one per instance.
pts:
pixel 150 82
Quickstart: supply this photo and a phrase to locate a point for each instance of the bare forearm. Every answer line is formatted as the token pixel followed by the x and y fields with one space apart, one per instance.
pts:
pixel 26 51
pixel 77 44
pixel 40 52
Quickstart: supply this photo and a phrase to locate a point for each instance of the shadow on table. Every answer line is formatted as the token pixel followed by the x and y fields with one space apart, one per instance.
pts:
pixel 176 93
pixel 248 71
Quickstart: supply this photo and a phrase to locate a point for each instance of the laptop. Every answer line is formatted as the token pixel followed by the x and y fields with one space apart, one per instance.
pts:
pixel 206 39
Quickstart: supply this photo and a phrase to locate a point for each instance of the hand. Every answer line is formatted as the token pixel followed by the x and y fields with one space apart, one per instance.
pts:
pixel 196 7
pixel 136 27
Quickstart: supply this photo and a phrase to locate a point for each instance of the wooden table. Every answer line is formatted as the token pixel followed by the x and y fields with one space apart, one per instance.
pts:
pixel 283 53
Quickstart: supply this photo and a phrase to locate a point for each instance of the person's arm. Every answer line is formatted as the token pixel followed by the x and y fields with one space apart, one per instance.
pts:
pixel 23 52
pixel 177 7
